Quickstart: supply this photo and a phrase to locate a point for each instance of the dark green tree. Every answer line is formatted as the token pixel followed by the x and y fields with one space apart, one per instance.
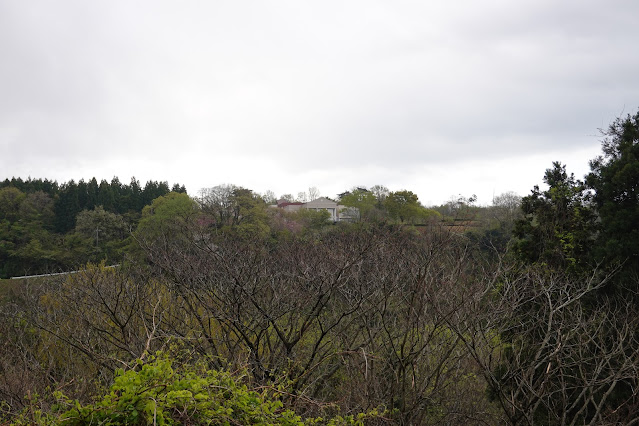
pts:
pixel 67 207
pixel 135 195
pixel 26 244
pixel 83 194
pixel 179 188
pixel 558 224
pixel 106 231
pixel 614 178
pixel 106 197
pixel 153 190
pixel 119 191
pixel 32 185
pixel 92 193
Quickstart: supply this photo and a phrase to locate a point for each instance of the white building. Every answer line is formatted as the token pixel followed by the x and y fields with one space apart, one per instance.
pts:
pixel 335 211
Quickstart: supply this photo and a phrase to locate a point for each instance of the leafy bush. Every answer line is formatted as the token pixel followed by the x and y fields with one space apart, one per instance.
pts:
pixel 156 393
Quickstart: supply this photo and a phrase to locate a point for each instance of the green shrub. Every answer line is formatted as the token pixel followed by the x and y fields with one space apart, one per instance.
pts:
pixel 156 393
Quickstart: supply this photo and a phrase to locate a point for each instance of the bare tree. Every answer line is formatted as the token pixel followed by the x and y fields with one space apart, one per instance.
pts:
pixel 107 314
pixel 313 193
pixel 419 322
pixel 549 353
pixel 350 319
pixel 218 201
pixel 506 209
pixel 269 197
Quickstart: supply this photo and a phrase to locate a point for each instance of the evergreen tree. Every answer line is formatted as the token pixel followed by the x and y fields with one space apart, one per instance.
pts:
pixel 66 207
pixel 92 193
pixel 614 178
pixel 119 192
pixel 558 225
pixel 179 189
pixel 106 197
pixel 83 194
pixel 153 190
pixel 163 188
pixel 149 191
pixel 135 195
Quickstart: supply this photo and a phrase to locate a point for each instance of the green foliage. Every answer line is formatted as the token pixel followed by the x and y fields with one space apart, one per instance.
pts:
pixel 249 213
pixel 107 232
pixel 576 225
pixel 10 200
pixel 155 392
pixel 236 210
pixel 614 178
pixel 313 219
pixel 364 201
pixel 587 230
pixel 558 224
pixel 46 227
pixel 37 208
pixel 67 206
pixel 106 195
pixel 404 206
pixel 165 215
pixel 26 243
pixel 32 185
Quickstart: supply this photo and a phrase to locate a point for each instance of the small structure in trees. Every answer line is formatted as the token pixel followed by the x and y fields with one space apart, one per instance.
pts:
pixel 337 212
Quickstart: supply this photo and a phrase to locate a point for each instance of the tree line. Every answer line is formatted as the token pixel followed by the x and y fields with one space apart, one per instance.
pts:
pixel 48 227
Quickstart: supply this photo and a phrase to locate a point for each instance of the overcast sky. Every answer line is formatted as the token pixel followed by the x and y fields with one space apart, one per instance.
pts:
pixel 440 98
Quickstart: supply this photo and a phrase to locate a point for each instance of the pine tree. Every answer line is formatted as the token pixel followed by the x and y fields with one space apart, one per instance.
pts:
pixel 66 207
pixel 614 178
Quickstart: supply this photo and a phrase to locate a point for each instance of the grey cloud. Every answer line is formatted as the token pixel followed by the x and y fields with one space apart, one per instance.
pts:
pixel 358 85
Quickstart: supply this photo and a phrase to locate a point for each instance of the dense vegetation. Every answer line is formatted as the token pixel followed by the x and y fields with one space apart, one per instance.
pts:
pixel 46 227
pixel 226 311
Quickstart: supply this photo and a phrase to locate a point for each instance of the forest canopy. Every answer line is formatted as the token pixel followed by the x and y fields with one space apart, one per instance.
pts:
pixel 50 227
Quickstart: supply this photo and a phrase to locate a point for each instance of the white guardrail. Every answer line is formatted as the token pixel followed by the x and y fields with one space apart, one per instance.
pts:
pixel 54 274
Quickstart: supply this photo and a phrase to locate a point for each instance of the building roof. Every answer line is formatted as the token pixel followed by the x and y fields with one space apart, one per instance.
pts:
pixel 284 203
